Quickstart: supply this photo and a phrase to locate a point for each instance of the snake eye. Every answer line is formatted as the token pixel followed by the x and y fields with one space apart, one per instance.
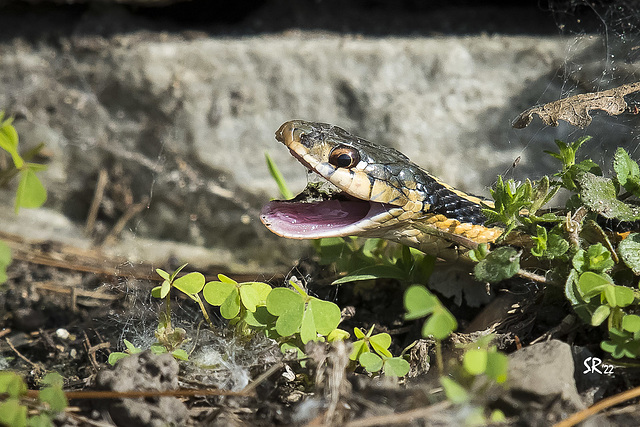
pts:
pixel 344 157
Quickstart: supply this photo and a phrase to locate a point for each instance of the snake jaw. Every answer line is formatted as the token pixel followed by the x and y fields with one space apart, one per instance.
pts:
pixel 321 210
pixel 317 213
pixel 315 220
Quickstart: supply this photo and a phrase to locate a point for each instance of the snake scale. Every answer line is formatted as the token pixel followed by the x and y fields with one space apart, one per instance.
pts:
pixel 375 191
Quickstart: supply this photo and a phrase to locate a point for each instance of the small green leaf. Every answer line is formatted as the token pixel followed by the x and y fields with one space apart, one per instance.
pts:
pixel 157 349
pixel 331 249
pixel 440 324
pixel 180 354
pixel 254 294
pixel 618 296
pixel 278 178
pixel 419 302
pixel 631 323
pixel 557 246
pixel 176 271
pixel 155 292
pixel 226 279
pixel 5 260
pixel 191 283
pixel 115 356
pixel 326 315
pixel 31 193
pixel 627 171
pixel 371 362
pixel 163 274
pixel 289 307
pixel 591 284
pixel 571 291
pixel 215 293
pixel 165 288
pixel 475 361
pixel 380 343
pixel 12 413
pixel 497 417
pixel 53 379
pixel 358 333
pixel 338 335
pixel 599 194
pixel 359 347
pixel 599 258
pixel 132 349
pixel 12 384
pixel 454 391
pixel 9 141
pixel 307 327
pixel 373 272
pixel 55 397
pixel 621 344
pixel 396 367
pixel 541 242
pixel 629 250
pixel 498 265
pixel 497 366
pixel 40 420
pixel 230 308
pixel 600 315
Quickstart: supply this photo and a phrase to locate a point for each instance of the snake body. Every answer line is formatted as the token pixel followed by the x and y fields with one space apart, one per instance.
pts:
pixel 379 193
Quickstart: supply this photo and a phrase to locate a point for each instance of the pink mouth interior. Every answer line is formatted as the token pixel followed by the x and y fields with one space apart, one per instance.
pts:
pixel 329 218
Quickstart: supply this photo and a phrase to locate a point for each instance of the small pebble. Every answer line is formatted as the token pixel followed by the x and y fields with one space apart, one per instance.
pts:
pixel 62 333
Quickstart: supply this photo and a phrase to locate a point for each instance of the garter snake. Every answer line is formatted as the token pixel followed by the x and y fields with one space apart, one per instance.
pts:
pixel 378 192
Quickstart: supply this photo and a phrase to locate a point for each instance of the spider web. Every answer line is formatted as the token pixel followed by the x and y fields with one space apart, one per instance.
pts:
pixel 603 52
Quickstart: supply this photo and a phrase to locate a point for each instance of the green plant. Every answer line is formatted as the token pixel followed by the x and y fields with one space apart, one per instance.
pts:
pixel 238 302
pixel 380 359
pixel 298 312
pixel 170 338
pixel 277 177
pixel 17 409
pixel 31 193
pixel 599 274
pixel 483 367
pixel 5 260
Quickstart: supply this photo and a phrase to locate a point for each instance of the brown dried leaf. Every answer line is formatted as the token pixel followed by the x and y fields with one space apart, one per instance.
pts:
pixel 575 109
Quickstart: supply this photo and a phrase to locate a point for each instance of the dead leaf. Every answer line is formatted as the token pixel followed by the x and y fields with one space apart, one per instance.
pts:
pixel 575 109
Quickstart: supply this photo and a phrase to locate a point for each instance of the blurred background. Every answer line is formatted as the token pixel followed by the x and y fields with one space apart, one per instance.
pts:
pixel 166 108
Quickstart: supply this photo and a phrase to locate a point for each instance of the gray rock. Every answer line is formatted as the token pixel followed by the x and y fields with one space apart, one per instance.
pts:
pixel 144 371
pixel 541 385
pixel 545 369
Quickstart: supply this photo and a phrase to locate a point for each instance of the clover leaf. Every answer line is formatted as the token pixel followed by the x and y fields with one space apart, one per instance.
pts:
pixel 299 312
pixel 419 302
pixel 231 296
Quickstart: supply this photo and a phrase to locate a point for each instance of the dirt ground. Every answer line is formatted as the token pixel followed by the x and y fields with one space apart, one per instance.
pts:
pixel 66 310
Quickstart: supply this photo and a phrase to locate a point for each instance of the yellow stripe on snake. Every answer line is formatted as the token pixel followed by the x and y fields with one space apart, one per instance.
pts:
pixel 377 192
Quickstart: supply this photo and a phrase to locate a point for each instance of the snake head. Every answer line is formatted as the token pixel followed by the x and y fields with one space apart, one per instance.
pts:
pixel 378 192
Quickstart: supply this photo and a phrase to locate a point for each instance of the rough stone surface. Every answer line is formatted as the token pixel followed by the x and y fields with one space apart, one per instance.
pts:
pixel 181 121
pixel 541 383
pixel 144 371
pixel 545 369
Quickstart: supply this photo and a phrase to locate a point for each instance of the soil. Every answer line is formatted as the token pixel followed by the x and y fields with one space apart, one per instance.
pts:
pixel 64 311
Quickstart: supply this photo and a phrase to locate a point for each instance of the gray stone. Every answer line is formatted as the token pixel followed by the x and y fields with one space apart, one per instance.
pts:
pixel 545 369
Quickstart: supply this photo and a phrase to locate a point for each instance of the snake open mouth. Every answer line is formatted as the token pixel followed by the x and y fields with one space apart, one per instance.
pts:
pixel 316 213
